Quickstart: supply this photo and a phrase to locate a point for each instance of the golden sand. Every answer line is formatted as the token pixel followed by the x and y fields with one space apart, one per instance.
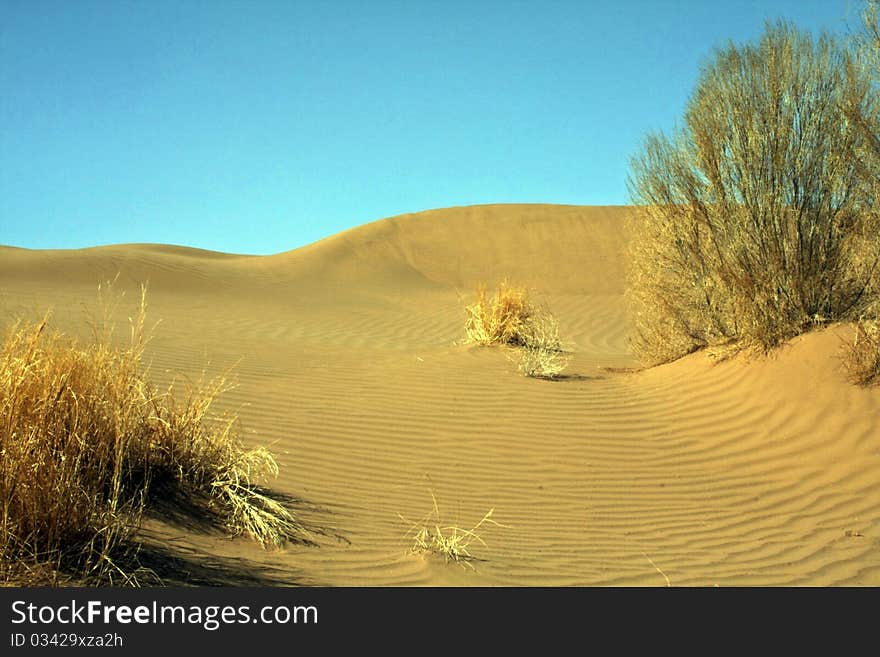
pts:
pixel 761 471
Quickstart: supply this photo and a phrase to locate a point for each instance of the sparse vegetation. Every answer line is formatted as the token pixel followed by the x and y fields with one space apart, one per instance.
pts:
pixel 509 318
pixel 862 355
pixel 757 219
pixel 88 443
pixel 431 536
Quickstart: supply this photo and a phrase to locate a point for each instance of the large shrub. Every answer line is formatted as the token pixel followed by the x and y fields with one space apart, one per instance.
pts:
pixel 754 222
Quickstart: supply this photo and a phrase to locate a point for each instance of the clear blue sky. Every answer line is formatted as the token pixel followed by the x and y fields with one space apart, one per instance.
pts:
pixel 258 126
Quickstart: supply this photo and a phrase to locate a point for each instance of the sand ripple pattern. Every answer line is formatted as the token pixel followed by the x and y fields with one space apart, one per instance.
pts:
pixel 760 471
pixel 696 473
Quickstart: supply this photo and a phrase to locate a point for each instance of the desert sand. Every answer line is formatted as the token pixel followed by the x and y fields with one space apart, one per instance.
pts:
pixel 348 357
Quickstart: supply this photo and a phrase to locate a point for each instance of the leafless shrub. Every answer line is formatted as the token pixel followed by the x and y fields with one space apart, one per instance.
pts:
pixel 755 220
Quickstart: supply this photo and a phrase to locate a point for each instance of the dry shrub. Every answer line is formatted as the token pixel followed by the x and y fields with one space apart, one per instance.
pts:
pixel 756 218
pixel 867 44
pixel 542 363
pixel 87 443
pixel 542 355
pixel 862 355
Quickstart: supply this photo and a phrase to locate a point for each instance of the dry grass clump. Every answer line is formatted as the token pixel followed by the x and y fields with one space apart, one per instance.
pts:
pixel 502 319
pixel 509 318
pixel 87 444
pixel 431 536
pixel 756 218
pixel 862 355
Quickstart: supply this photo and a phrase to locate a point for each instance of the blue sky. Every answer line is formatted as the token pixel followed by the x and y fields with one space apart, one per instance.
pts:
pixel 258 127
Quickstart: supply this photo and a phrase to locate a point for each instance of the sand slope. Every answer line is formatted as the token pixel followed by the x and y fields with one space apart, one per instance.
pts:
pixel 743 472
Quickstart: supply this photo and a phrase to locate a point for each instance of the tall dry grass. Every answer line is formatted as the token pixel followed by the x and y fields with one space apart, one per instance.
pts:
pixel 756 218
pixel 88 443
pixel 503 318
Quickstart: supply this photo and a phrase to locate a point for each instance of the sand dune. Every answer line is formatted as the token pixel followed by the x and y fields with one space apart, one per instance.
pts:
pixel 759 471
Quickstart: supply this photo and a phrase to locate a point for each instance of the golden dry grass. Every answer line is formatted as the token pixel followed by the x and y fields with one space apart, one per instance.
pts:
pixel 502 319
pixel 87 441
pixel 453 543
pixel 510 318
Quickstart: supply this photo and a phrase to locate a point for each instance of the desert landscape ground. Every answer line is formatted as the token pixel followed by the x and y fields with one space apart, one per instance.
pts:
pixel 350 368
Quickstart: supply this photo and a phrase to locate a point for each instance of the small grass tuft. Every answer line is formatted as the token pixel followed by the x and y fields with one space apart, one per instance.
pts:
pixel 431 536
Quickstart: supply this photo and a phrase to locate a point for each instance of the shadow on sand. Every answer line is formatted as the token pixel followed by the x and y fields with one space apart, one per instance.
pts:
pixel 161 565
pixel 158 565
pixel 196 512
pixel 576 377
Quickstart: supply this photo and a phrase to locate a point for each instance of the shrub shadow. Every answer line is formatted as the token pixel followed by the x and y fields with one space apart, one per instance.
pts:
pixel 159 566
pixel 573 377
pixel 195 511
